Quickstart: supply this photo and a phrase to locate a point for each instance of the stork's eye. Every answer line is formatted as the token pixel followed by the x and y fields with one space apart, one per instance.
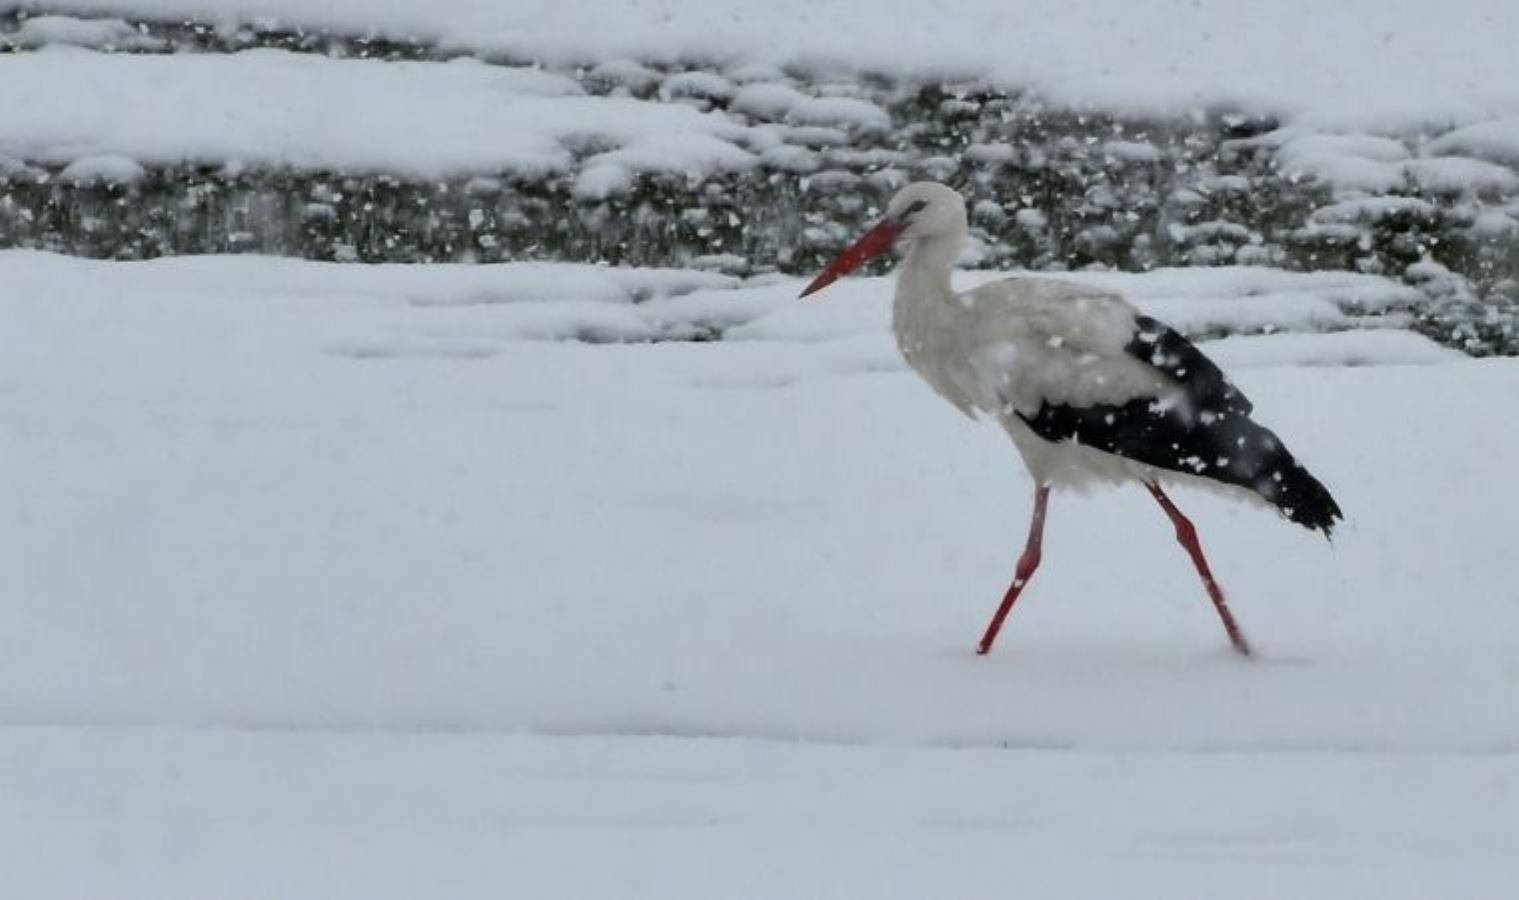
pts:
pixel 912 209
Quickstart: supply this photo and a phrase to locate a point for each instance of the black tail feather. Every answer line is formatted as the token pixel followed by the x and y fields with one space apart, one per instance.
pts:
pixel 1301 497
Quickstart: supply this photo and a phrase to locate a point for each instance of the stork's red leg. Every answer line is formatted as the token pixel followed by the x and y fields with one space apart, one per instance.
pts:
pixel 1187 535
pixel 1027 563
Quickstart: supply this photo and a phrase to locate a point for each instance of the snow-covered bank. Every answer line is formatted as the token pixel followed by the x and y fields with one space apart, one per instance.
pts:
pixel 1388 64
pixel 275 108
pixel 125 155
pixel 727 162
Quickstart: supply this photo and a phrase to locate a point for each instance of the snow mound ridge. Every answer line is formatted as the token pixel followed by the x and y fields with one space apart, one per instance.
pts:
pixel 477 311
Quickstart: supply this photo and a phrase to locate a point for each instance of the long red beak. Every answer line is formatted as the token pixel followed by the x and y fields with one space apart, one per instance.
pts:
pixel 872 244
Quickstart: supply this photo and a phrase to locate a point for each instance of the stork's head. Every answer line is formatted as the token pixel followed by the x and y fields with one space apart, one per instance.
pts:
pixel 923 210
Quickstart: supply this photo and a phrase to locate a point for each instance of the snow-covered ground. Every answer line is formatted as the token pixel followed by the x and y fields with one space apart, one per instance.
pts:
pixel 190 814
pixel 341 582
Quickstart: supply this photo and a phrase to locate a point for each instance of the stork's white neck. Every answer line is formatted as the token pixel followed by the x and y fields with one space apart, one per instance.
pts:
pixel 927 322
pixel 924 275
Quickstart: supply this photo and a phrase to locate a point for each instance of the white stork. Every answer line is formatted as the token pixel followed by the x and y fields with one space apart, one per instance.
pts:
pixel 1090 390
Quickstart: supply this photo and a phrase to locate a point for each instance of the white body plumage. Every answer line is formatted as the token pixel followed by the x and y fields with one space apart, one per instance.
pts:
pixel 1012 345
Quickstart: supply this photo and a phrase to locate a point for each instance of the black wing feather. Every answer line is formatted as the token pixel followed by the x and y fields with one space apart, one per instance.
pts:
pixel 1203 381
pixel 1204 429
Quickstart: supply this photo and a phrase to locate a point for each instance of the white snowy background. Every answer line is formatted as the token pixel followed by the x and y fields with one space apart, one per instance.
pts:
pixel 327 581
